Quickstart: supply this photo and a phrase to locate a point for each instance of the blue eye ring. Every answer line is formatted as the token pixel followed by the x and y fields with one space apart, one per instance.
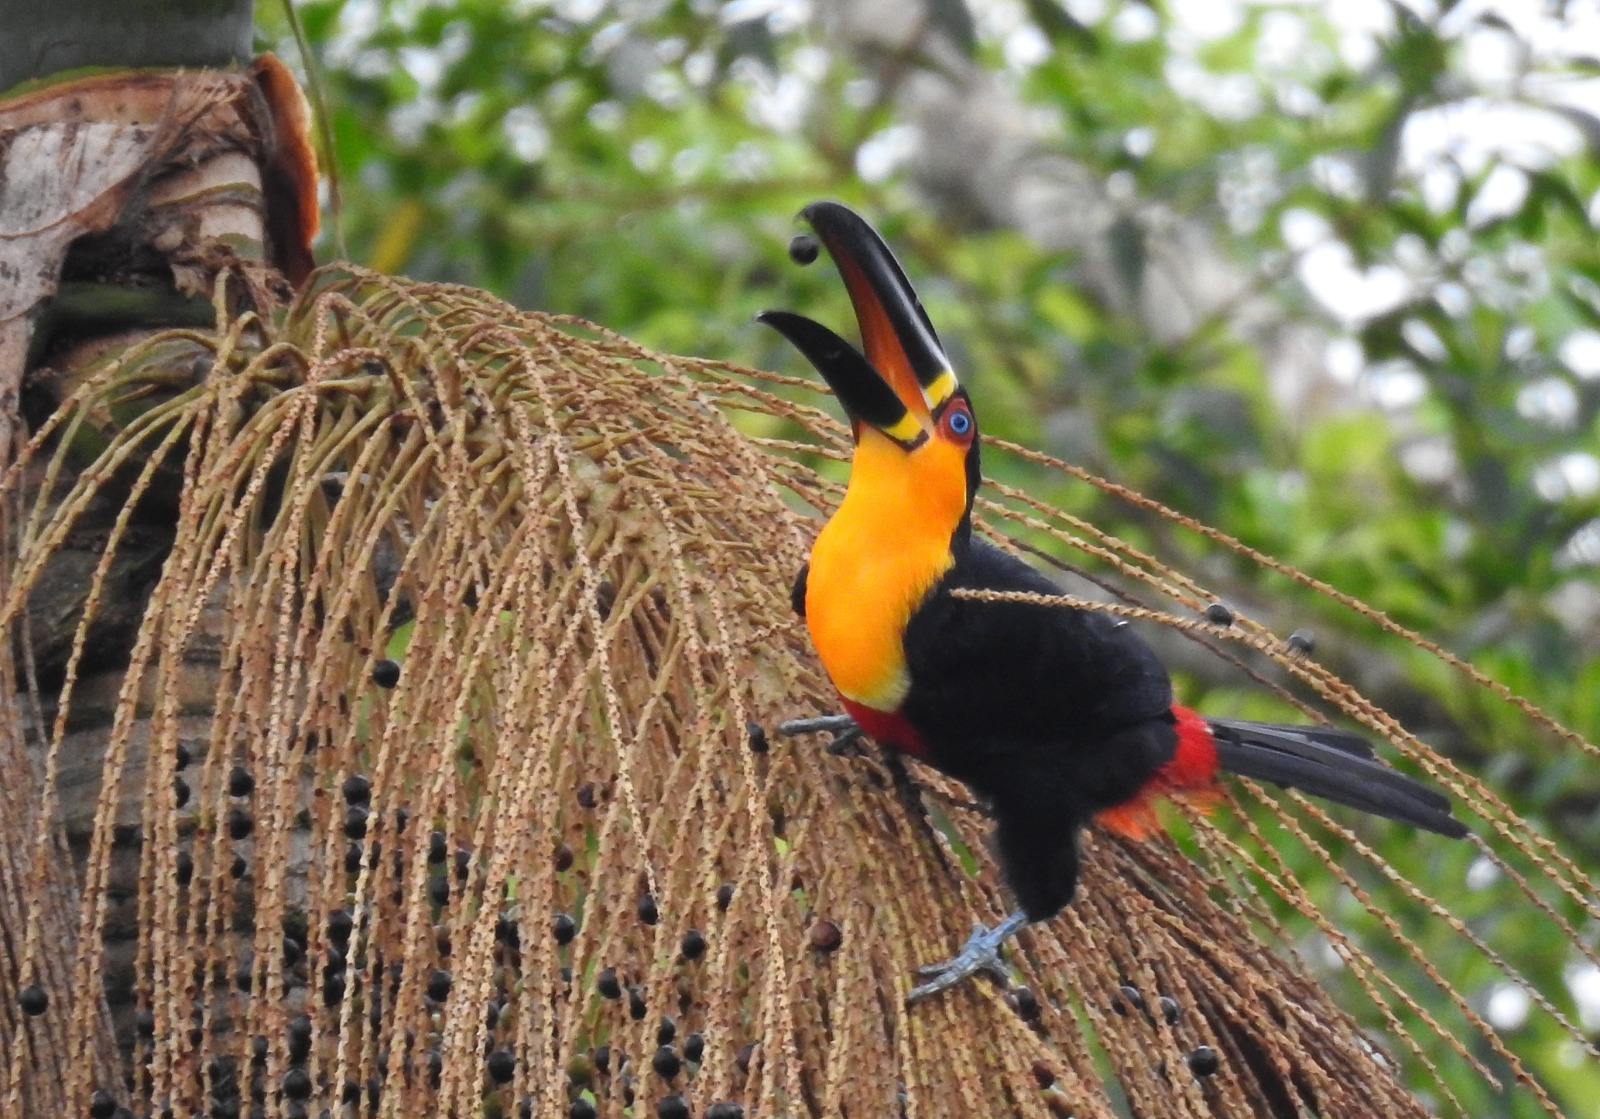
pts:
pixel 959 421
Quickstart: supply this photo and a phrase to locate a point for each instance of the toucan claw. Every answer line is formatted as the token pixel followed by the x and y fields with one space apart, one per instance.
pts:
pixel 981 952
pixel 846 743
pixel 846 731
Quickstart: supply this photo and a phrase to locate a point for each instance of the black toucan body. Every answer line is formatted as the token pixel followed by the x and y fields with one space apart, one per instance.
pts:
pixel 1056 716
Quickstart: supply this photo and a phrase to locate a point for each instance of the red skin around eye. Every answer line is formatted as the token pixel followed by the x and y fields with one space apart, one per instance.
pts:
pixel 950 432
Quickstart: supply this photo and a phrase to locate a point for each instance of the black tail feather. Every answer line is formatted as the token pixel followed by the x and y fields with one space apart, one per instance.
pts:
pixel 1332 764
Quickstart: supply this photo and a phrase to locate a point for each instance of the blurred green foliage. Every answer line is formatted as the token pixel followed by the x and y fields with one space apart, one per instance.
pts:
pixel 1418 194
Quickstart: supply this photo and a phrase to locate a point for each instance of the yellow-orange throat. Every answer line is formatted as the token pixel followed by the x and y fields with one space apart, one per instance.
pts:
pixel 875 560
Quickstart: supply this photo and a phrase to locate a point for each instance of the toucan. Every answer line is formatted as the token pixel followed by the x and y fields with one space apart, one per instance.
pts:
pixel 1057 717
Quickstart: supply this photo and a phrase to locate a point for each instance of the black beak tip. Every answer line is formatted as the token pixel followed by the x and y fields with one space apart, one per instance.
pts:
pixel 826 212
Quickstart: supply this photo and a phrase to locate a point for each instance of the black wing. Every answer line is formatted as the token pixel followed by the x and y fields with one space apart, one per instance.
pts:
pixel 1035 671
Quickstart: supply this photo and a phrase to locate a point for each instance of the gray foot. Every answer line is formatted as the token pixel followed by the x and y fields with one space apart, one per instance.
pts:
pixel 981 952
pixel 842 727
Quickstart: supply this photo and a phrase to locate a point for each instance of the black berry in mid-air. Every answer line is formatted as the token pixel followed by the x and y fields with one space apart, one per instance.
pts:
pixel 803 248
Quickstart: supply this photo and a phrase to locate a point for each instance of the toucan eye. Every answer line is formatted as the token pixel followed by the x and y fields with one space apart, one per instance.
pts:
pixel 959 421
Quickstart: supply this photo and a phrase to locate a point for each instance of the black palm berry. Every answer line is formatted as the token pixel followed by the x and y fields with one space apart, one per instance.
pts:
pixel 240 825
pixel 437 848
pixel 666 1031
pixel 581 1109
pixel 694 1047
pixel 297 1084
pixel 1203 1060
pixel 564 927
pixel 185 868
pixel 299 1037
pixel 726 1109
pixel 1024 1002
pixel 756 737
pixel 240 783
pixel 666 1062
pixel 340 926
pixel 672 1107
pixel 180 791
pixel 386 673
pixel 439 985
pixel 502 1065
pixel 1219 615
pixel 357 790
pixel 101 1104
pixel 606 983
pixel 825 936
pixel 646 908
pixel 33 999
pixel 636 1005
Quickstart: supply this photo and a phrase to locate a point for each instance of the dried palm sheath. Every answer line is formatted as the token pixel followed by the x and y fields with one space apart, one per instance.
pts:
pixel 580 553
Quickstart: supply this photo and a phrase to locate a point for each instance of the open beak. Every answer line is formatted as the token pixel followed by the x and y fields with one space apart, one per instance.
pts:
pixel 904 378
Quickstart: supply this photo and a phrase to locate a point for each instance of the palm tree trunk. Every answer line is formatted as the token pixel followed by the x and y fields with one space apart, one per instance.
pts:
pixel 125 197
